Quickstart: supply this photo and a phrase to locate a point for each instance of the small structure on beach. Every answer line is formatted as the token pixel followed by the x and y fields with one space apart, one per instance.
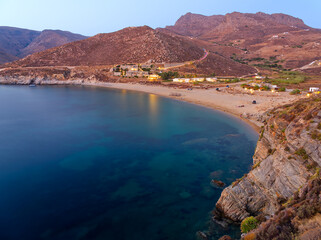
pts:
pixel 314 89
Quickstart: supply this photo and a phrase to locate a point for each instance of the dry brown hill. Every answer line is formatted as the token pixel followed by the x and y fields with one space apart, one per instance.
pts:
pixel 235 25
pixel 49 39
pixel 285 39
pixel 16 43
pixel 130 45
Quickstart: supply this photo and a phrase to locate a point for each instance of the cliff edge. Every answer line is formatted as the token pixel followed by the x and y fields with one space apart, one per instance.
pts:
pixel 288 154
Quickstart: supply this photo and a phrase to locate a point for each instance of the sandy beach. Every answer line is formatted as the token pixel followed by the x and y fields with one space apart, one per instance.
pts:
pixel 233 100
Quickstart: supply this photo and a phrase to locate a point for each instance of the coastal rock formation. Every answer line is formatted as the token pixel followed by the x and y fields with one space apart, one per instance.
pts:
pixel 288 153
pixel 298 218
pixel 58 75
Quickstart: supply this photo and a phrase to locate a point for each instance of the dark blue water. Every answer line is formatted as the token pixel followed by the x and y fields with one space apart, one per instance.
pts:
pixel 92 163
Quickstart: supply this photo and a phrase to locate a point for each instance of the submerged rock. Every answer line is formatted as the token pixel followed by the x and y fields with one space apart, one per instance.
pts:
pixel 201 236
pixel 225 237
pixel 217 183
pixel 185 195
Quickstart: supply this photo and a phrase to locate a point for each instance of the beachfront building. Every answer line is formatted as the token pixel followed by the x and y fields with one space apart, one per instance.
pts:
pixel 136 74
pixel 198 79
pixel 189 80
pixel 182 80
pixel 153 77
pixel 314 89
pixel 211 79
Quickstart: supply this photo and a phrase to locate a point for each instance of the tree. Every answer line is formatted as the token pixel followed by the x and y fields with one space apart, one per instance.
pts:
pixel 168 75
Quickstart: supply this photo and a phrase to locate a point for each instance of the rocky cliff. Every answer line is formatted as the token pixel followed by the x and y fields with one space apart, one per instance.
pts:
pixel 288 153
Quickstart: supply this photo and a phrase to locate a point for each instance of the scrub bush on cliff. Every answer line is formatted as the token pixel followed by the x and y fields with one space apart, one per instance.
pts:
pixel 248 224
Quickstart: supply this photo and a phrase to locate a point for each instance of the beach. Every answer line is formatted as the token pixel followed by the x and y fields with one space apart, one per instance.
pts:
pixel 232 100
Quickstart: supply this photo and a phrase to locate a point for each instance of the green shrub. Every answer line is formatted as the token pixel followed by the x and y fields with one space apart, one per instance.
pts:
pixel 301 152
pixel 316 135
pixel 265 88
pixel 169 75
pixel 295 92
pixel 248 224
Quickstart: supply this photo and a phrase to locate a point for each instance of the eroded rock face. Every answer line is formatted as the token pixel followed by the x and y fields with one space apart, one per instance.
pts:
pixel 287 154
pixel 58 75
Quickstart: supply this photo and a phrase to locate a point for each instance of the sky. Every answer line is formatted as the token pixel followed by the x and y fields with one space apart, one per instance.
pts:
pixel 90 17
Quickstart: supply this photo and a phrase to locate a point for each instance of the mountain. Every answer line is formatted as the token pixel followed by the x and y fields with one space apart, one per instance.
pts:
pixel 6 57
pixel 282 37
pixel 49 39
pixel 137 45
pixel 130 45
pixel 235 25
pixel 16 43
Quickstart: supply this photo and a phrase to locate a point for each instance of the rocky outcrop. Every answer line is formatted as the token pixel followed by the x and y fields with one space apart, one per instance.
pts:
pixel 298 218
pixel 288 153
pixel 52 76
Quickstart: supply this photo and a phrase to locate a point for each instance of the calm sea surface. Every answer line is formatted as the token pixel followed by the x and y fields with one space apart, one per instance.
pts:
pixel 92 163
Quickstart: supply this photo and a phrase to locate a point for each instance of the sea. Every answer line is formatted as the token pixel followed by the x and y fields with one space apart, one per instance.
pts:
pixel 91 163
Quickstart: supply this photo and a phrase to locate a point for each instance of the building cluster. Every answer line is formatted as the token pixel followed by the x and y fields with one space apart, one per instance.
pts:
pixel 137 70
pixel 191 80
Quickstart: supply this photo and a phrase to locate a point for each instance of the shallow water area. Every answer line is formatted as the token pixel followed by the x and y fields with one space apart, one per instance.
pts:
pixel 96 163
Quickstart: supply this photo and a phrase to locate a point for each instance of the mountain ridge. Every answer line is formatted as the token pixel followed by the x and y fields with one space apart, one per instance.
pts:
pixel 16 43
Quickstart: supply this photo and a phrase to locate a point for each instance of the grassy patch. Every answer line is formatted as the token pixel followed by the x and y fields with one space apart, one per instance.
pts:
pixel 249 224
pixel 302 153
pixel 295 92
pixel 289 77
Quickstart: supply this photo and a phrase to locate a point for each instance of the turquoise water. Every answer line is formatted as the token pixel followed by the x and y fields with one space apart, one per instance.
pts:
pixel 91 163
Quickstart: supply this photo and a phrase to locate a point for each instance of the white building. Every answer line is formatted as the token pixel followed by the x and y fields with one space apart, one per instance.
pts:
pixel 314 89
pixel 182 80
pixel 211 79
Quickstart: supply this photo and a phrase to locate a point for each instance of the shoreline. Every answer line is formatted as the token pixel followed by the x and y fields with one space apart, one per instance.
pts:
pixel 220 101
pixel 254 126
pixel 233 101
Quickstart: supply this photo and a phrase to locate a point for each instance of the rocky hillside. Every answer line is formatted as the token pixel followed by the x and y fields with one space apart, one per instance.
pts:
pixel 220 65
pixel 288 154
pixel 49 39
pixel 16 43
pixel 298 218
pixel 284 38
pixel 235 25
pixel 130 45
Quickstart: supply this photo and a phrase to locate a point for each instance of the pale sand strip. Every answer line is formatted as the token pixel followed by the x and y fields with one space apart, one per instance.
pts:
pixel 227 100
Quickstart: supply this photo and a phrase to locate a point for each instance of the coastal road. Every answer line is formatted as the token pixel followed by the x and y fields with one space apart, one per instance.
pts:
pixel 190 62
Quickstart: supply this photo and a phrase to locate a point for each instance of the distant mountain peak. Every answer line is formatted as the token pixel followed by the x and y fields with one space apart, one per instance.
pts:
pixel 17 42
